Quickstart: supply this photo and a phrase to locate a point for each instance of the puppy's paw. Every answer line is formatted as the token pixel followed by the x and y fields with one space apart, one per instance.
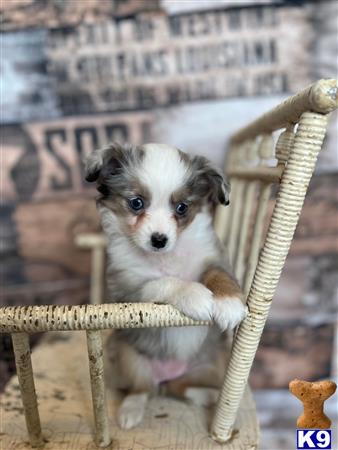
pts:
pixel 202 396
pixel 228 312
pixel 131 411
pixel 195 301
pixel 191 298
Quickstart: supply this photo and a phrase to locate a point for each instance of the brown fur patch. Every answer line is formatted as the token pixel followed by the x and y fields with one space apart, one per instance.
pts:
pixel 139 190
pixel 220 283
pixel 194 206
pixel 185 220
pixel 118 201
pixel 118 205
pixel 204 185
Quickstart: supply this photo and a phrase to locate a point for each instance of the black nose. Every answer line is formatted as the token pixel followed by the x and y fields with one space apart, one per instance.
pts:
pixel 158 240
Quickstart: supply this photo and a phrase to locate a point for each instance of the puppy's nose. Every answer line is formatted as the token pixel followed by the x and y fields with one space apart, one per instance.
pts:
pixel 158 240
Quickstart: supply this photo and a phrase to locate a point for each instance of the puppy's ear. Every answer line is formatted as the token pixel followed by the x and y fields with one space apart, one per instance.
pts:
pixel 210 182
pixel 103 162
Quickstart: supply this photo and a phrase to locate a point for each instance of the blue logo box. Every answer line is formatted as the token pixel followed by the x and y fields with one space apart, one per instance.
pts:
pixel 314 439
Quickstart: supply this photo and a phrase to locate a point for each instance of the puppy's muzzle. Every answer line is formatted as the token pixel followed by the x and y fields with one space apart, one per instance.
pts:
pixel 159 240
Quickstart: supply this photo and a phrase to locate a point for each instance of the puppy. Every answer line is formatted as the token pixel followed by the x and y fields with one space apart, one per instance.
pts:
pixel 156 204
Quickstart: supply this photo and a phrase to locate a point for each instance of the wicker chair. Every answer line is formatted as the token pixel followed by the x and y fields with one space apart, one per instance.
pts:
pixel 254 165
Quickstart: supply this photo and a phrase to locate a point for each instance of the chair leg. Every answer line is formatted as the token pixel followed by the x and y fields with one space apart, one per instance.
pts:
pixel 24 370
pixel 95 355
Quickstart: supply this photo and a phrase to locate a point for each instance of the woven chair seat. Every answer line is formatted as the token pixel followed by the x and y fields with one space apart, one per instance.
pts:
pixel 60 365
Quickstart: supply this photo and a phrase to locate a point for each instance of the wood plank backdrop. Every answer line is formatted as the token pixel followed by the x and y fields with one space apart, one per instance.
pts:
pixel 76 75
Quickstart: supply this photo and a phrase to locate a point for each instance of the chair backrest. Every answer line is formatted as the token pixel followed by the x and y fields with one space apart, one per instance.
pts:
pixel 258 248
pixel 254 165
pixel 253 170
pixel 95 242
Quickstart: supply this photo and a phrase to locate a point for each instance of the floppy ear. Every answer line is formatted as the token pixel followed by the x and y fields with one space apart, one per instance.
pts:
pixel 221 187
pixel 210 181
pixel 103 162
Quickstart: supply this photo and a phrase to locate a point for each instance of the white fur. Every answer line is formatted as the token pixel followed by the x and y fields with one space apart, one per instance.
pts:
pixel 169 276
pixel 162 172
pixel 202 396
pixel 186 261
pixel 182 266
pixel 192 298
pixel 228 312
pixel 184 342
pixel 131 410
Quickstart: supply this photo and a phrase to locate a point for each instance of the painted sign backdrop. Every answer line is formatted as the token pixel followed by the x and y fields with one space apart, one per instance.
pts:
pixel 139 63
pixel 155 60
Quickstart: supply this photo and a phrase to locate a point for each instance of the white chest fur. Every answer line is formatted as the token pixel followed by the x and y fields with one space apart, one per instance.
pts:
pixel 194 248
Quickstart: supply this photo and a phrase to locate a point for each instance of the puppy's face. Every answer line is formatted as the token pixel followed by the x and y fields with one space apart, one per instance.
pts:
pixel 154 191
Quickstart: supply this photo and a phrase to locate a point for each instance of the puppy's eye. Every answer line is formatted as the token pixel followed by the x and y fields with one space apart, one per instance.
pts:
pixel 181 208
pixel 136 203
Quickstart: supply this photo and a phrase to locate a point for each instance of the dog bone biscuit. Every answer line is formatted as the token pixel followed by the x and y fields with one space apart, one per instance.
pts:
pixel 313 396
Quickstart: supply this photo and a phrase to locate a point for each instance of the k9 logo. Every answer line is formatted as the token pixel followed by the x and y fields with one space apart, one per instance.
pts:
pixel 315 439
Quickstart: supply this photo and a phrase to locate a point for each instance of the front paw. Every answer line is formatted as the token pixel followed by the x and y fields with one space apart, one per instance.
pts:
pixel 131 411
pixel 195 301
pixel 228 312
